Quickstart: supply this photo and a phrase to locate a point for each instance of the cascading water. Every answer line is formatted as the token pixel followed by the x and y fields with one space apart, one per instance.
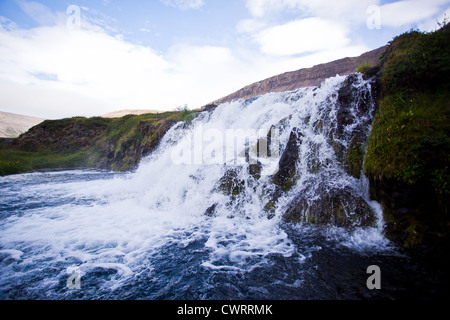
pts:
pixel 222 209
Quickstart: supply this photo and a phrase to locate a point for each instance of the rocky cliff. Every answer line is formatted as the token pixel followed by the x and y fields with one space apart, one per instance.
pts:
pixel 305 77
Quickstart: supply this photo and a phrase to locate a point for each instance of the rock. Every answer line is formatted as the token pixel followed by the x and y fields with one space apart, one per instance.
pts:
pixel 337 207
pixel 286 175
pixel 211 211
pixel 209 107
pixel 230 184
pixel 255 170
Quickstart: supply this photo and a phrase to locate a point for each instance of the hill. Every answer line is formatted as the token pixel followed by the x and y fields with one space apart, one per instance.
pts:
pixel 306 77
pixel 13 125
pixel 122 113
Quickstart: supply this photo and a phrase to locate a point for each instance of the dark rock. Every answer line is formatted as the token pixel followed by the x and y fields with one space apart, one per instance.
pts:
pixel 209 107
pixel 210 212
pixel 287 166
pixel 230 184
pixel 255 170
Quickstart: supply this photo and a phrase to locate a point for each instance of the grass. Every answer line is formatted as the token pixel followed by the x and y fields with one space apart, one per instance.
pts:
pixel 362 68
pixel 14 161
pixel 408 151
pixel 410 137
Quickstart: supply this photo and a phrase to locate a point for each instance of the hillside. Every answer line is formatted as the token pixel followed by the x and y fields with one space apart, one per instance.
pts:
pixel 407 160
pixel 12 125
pixel 306 77
pixel 123 113
pixel 103 143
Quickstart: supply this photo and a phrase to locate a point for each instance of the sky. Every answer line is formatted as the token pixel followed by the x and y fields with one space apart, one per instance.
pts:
pixel 66 58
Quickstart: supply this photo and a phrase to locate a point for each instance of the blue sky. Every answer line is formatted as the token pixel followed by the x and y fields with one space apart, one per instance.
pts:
pixel 86 58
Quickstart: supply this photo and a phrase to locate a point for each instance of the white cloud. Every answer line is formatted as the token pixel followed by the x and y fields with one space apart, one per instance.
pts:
pixel 404 13
pixel 343 10
pixel 39 12
pixel 56 72
pixel 184 4
pixel 301 36
pixel 86 63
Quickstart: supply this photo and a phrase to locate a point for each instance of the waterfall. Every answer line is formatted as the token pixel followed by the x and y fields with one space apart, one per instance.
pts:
pixel 225 183
pixel 285 155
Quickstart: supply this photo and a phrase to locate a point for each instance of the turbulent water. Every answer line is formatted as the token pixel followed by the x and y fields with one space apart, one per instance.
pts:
pixel 175 229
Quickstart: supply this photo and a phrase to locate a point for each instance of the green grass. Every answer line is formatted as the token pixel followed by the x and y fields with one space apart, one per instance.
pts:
pixel 408 152
pixel 410 137
pixel 362 68
pixel 14 161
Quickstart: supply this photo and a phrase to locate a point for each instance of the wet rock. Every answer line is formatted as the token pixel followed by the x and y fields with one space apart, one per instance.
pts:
pixel 230 184
pixel 337 207
pixel 255 170
pixel 286 175
pixel 211 211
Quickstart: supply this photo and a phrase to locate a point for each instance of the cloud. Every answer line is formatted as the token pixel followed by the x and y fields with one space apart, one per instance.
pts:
pixel 184 4
pixel 52 71
pixel 403 13
pixel 302 36
pixel 86 63
pixel 39 12
pixel 343 10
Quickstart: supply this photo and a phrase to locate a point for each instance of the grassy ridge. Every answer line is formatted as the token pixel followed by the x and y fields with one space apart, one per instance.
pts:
pixel 408 150
pixel 113 144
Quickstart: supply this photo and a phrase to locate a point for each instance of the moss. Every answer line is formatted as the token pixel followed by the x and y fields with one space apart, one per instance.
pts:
pixel 288 184
pixel 363 67
pixel 355 157
pixel 409 139
pixel 414 234
pixel 409 145
pixel 270 206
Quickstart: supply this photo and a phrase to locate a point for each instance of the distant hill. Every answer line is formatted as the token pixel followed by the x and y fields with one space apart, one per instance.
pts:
pixel 12 125
pixel 121 113
pixel 306 77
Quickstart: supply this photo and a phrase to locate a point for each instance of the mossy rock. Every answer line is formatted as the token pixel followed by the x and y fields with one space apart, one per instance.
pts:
pixel 337 207
pixel 355 157
pixel 230 184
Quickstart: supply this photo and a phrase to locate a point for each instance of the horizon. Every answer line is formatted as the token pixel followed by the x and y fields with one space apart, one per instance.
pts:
pixel 88 58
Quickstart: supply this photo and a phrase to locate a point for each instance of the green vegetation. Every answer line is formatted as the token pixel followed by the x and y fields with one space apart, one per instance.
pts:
pixel 410 137
pixel 409 146
pixel 112 144
pixel 355 158
pixel 362 68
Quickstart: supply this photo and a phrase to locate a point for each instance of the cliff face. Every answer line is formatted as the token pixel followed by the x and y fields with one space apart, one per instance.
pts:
pixel 305 77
